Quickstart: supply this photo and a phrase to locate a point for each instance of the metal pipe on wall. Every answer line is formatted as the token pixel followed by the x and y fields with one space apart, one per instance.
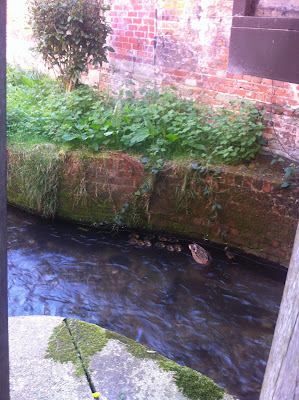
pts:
pixel 4 357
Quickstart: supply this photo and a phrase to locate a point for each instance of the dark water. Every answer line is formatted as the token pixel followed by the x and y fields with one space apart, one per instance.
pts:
pixel 217 320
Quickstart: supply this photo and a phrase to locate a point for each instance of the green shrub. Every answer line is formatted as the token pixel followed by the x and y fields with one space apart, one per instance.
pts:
pixel 70 35
pixel 236 134
pixel 155 124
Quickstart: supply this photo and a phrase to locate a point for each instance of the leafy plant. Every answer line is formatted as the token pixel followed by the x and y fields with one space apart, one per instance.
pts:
pixel 290 176
pixel 158 125
pixel 70 35
pixel 236 133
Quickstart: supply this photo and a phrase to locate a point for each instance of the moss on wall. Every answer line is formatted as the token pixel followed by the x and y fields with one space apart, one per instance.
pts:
pixel 240 206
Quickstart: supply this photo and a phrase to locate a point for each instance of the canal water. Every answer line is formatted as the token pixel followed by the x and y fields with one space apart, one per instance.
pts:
pixel 218 320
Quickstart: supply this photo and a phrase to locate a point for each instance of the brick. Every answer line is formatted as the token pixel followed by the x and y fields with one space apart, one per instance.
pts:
pixel 180 73
pixel 190 82
pixel 267 187
pixel 234 231
pixel 266 81
pixel 132 27
pixel 140 34
pixel 133 40
pixel 282 93
pixel 279 84
pixel 143 28
pixel 255 79
pixel 117 44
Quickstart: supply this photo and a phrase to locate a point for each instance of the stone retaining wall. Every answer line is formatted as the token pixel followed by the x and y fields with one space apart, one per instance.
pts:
pixel 237 205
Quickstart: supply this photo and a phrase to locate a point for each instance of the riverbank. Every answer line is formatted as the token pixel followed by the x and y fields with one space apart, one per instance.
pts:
pixel 240 206
pixel 56 358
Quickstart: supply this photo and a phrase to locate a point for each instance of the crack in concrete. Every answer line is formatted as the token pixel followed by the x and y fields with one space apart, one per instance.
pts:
pixel 87 374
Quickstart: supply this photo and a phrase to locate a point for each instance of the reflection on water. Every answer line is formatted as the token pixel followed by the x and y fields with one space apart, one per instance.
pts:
pixel 217 320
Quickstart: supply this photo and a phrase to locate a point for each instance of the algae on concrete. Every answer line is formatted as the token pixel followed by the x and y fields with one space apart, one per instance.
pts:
pixel 90 339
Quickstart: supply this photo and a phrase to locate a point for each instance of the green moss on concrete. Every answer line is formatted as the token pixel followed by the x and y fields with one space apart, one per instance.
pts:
pixel 136 349
pixel 92 211
pixel 192 384
pixel 86 338
pixel 89 339
pixel 61 348
pixel 75 336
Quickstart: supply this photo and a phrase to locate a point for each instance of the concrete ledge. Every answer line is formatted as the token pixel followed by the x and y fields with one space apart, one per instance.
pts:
pixel 53 358
pixel 31 375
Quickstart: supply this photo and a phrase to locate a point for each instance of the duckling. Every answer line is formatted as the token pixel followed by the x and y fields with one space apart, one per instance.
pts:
pixel 200 255
pixel 170 247
pixel 134 236
pixel 147 243
pixel 160 245
pixel 162 238
pixel 149 237
pixel 172 240
pixel 133 241
pixel 178 248
pixel 140 243
pixel 228 253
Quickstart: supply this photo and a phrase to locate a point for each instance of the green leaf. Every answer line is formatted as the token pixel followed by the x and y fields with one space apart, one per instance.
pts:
pixel 27 82
pixel 144 160
pixel 288 172
pixel 285 184
pixel 172 137
pixel 140 136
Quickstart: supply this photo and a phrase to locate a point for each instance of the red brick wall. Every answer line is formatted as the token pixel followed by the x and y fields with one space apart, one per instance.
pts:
pixel 185 43
pixel 256 213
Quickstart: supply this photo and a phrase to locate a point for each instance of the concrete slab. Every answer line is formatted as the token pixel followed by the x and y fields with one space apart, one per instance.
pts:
pixel 31 375
pixel 55 358
pixel 122 369
pixel 119 375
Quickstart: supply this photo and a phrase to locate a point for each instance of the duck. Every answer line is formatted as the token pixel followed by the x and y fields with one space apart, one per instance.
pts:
pixel 228 253
pixel 200 255
pixel 172 240
pixel 162 238
pixel 149 237
pixel 170 247
pixel 133 241
pixel 134 236
pixel 160 245
pixel 178 248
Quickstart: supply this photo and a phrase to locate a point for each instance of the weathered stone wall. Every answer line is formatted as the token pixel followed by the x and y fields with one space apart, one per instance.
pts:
pixel 277 8
pixel 255 213
pixel 184 43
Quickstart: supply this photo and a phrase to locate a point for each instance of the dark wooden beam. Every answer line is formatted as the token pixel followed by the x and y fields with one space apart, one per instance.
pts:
pixel 4 360
pixel 242 7
pixel 282 372
pixel 261 47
